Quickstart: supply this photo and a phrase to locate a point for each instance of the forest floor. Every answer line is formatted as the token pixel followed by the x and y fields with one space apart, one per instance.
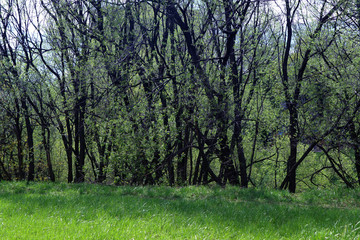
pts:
pixel 89 211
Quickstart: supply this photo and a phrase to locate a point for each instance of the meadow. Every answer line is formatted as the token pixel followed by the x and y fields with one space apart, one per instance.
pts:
pixel 89 211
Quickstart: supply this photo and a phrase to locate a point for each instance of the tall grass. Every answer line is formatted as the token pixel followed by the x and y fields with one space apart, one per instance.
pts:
pixel 84 211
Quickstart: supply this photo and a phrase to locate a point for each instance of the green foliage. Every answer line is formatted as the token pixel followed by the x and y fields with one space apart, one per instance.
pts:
pixel 165 93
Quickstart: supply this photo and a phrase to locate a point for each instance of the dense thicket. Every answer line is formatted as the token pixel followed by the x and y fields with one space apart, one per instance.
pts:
pixel 262 93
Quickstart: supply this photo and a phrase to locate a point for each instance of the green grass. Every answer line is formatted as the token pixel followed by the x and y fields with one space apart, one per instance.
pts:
pixel 84 211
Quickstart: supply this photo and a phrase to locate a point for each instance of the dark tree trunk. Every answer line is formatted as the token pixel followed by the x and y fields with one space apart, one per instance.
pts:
pixel 357 162
pixel 104 148
pixel 229 171
pixel 46 143
pixel 80 144
pixel 356 147
pixel 357 142
pixel 236 80
pixel 291 105
pixel 68 143
pixel 244 181
pixel 171 170
pixel 197 173
pixel 44 131
pixel 183 160
pixel 293 98
pixel 19 142
pixel 67 140
pixel 291 163
pixel 30 140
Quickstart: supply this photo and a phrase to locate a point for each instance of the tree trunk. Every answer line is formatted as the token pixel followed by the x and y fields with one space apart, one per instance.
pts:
pixel 80 144
pixel 291 163
pixel 356 147
pixel 229 171
pixel 30 140
pixel 19 142
pixel 46 143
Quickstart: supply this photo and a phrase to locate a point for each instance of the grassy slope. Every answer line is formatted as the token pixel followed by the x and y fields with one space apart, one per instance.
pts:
pixel 62 211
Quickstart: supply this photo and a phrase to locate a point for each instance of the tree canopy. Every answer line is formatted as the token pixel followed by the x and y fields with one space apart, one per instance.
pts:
pixel 240 92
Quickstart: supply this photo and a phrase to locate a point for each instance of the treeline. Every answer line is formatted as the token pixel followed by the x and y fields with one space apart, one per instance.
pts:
pixel 261 93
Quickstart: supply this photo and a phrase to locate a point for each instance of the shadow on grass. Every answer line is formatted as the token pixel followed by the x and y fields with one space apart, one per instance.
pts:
pixel 251 211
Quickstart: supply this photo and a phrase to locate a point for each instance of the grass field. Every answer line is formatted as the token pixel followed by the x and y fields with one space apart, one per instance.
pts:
pixel 85 211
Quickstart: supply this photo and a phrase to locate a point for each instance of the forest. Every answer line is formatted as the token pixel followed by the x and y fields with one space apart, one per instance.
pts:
pixel 251 93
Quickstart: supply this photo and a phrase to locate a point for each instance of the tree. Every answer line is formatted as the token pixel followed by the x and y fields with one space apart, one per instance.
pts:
pixel 292 89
